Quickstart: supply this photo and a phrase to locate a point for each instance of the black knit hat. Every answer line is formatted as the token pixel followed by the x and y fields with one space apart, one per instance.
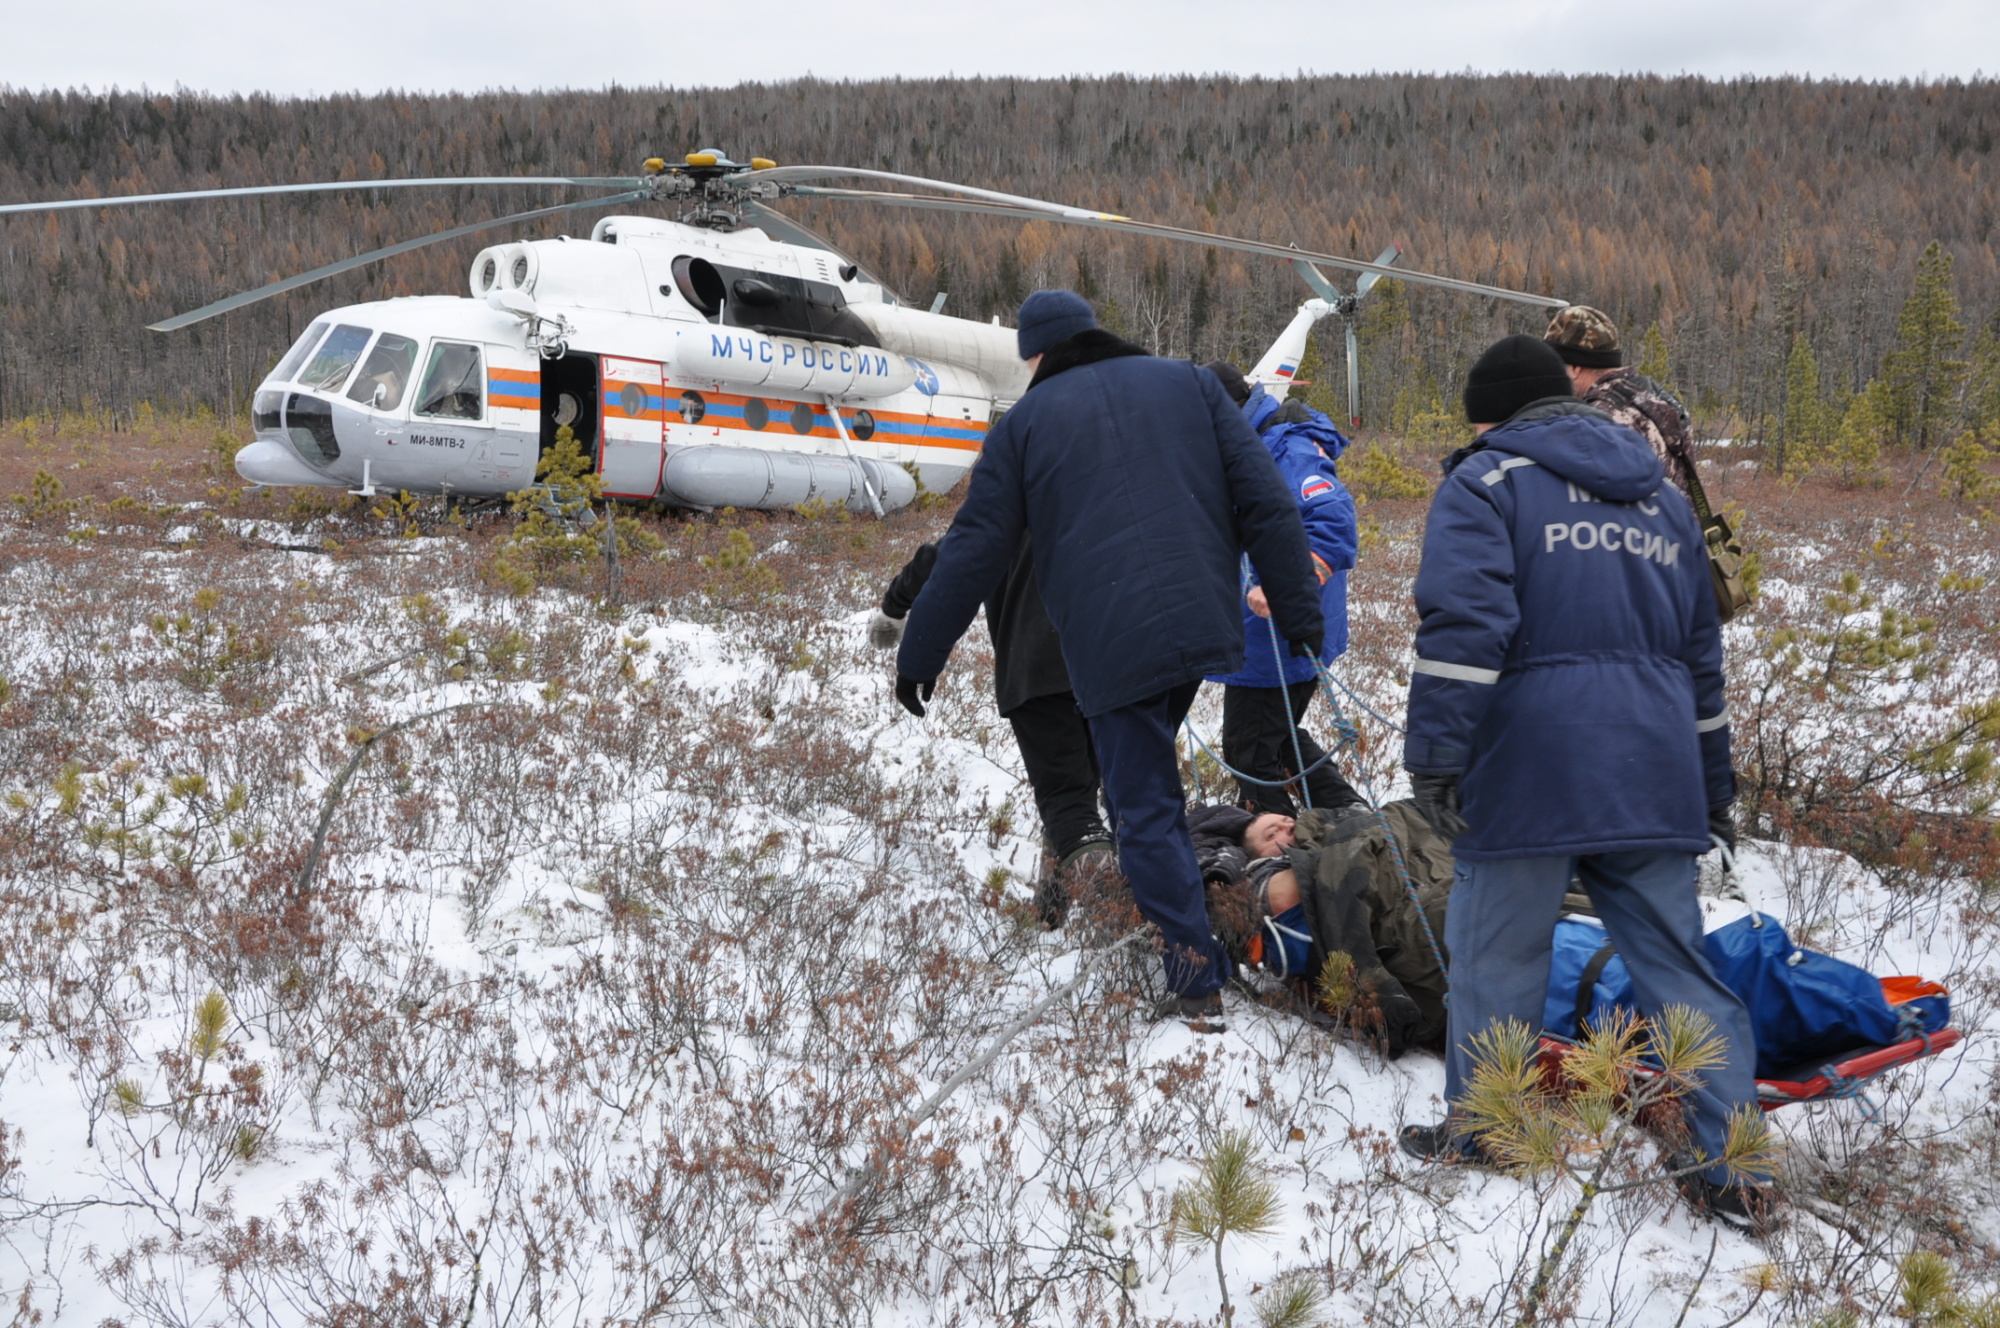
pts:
pixel 1514 371
pixel 1232 378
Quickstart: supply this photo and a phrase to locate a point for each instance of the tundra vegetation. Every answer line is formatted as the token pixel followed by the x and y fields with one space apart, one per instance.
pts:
pixel 402 927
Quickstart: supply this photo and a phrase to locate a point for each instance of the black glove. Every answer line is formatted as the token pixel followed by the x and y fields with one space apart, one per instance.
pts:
pixel 1309 647
pixel 1436 797
pixel 1722 825
pixel 909 690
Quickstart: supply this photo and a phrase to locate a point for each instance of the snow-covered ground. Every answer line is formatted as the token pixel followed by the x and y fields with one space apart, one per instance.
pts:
pixel 630 961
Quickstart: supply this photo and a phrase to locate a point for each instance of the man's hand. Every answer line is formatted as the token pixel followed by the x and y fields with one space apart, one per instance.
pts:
pixel 1258 604
pixel 884 632
pixel 1722 830
pixel 912 693
pixel 1436 797
pixel 1309 649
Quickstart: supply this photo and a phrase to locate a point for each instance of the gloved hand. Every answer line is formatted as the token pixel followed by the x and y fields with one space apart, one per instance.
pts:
pixel 884 632
pixel 912 693
pixel 1722 828
pixel 1309 648
pixel 1436 797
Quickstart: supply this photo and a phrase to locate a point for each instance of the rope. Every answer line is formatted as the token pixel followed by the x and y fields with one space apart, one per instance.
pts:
pixel 1234 773
pixel 1349 740
pixel 1291 720
pixel 1388 832
pixel 1364 707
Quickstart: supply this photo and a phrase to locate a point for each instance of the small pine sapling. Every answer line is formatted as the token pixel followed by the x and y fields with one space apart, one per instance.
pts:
pixel 1583 1128
pixel 1230 1196
pixel 557 516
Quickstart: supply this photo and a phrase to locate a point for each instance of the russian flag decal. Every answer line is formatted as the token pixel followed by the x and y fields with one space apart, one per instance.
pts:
pixel 1315 486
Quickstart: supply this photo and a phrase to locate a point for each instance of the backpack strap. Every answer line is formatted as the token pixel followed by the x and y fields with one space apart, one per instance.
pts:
pixel 1586 986
pixel 1699 500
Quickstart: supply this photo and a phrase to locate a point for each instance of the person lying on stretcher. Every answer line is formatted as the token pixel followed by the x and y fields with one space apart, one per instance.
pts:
pixel 1285 895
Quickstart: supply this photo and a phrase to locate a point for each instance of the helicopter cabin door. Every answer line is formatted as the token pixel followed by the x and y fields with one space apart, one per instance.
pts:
pixel 633 449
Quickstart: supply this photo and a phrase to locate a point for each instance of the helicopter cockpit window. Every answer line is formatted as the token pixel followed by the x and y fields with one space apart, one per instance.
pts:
pixel 454 385
pixel 385 375
pixel 297 354
pixel 327 370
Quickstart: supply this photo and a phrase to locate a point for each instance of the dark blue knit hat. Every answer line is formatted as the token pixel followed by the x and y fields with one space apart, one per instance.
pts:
pixel 1049 316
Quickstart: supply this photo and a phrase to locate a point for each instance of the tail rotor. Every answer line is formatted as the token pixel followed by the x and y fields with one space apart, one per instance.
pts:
pixel 1347 306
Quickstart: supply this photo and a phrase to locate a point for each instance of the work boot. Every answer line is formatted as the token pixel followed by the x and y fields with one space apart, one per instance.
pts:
pixel 1203 1014
pixel 1745 1208
pixel 1055 890
pixel 1436 1143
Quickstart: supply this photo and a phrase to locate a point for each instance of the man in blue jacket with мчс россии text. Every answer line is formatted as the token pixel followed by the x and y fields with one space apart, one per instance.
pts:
pixel 1568 694
pixel 1141 485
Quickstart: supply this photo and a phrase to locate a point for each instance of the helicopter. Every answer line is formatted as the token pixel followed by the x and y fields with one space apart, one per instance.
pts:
pixel 726 356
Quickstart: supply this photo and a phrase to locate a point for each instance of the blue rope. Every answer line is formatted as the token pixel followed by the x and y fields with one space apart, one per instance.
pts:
pixel 1234 773
pixel 1349 740
pixel 1365 708
pixel 1388 832
pixel 1291 720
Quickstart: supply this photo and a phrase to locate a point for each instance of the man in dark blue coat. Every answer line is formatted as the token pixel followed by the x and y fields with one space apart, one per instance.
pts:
pixel 1265 701
pixel 1141 486
pixel 1566 719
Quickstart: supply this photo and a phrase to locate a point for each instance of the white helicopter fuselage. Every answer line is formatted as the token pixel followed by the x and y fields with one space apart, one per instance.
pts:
pixel 704 368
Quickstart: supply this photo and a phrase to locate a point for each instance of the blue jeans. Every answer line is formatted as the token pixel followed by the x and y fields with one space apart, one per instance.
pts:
pixel 1498 932
pixel 1142 790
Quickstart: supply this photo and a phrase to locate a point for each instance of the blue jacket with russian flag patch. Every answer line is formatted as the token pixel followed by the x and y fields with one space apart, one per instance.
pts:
pixel 1305 450
pixel 1142 485
pixel 1569 658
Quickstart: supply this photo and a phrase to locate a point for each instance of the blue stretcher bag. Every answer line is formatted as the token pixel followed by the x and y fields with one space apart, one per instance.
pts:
pixel 1804 1006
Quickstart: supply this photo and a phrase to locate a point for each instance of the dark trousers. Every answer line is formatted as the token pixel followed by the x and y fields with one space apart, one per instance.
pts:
pixel 1257 739
pixel 1142 788
pixel 1054 739
pixel 1498 935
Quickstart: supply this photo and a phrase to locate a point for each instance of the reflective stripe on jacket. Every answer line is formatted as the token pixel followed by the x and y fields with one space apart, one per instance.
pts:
pixel 1569 661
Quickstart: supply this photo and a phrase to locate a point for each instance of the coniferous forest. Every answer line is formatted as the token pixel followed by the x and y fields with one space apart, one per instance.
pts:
pixel 1770 230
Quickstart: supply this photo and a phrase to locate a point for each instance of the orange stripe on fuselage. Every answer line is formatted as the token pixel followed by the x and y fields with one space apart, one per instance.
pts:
pixel 907 434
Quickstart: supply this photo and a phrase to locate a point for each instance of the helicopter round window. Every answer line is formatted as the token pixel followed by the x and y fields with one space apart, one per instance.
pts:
pixel 802 418
pixel 632 400
pixel 693 407
pixel 755 413
pixel 864 425
pixel 567 409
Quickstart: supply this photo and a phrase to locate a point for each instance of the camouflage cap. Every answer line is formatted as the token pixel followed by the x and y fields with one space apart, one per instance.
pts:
pixel 1585 337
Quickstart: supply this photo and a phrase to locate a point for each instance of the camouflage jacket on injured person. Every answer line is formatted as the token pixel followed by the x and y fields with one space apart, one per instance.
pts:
pixel 1353 901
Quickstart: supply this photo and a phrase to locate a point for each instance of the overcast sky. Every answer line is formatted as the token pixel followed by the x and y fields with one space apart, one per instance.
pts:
pixel 370 45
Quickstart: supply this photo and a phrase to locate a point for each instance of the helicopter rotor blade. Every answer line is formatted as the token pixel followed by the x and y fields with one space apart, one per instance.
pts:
pixel 238 301
pixel 787 174
pixel 1367 280
pixel 1353 377
pixel 188 195
pixel 1317 280
pixel 1157 231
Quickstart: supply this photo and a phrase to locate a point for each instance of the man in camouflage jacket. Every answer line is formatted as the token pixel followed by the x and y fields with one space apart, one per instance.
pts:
pixel 1587 340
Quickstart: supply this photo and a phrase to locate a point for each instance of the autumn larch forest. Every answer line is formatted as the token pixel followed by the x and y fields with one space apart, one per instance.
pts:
pixel 1760 238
